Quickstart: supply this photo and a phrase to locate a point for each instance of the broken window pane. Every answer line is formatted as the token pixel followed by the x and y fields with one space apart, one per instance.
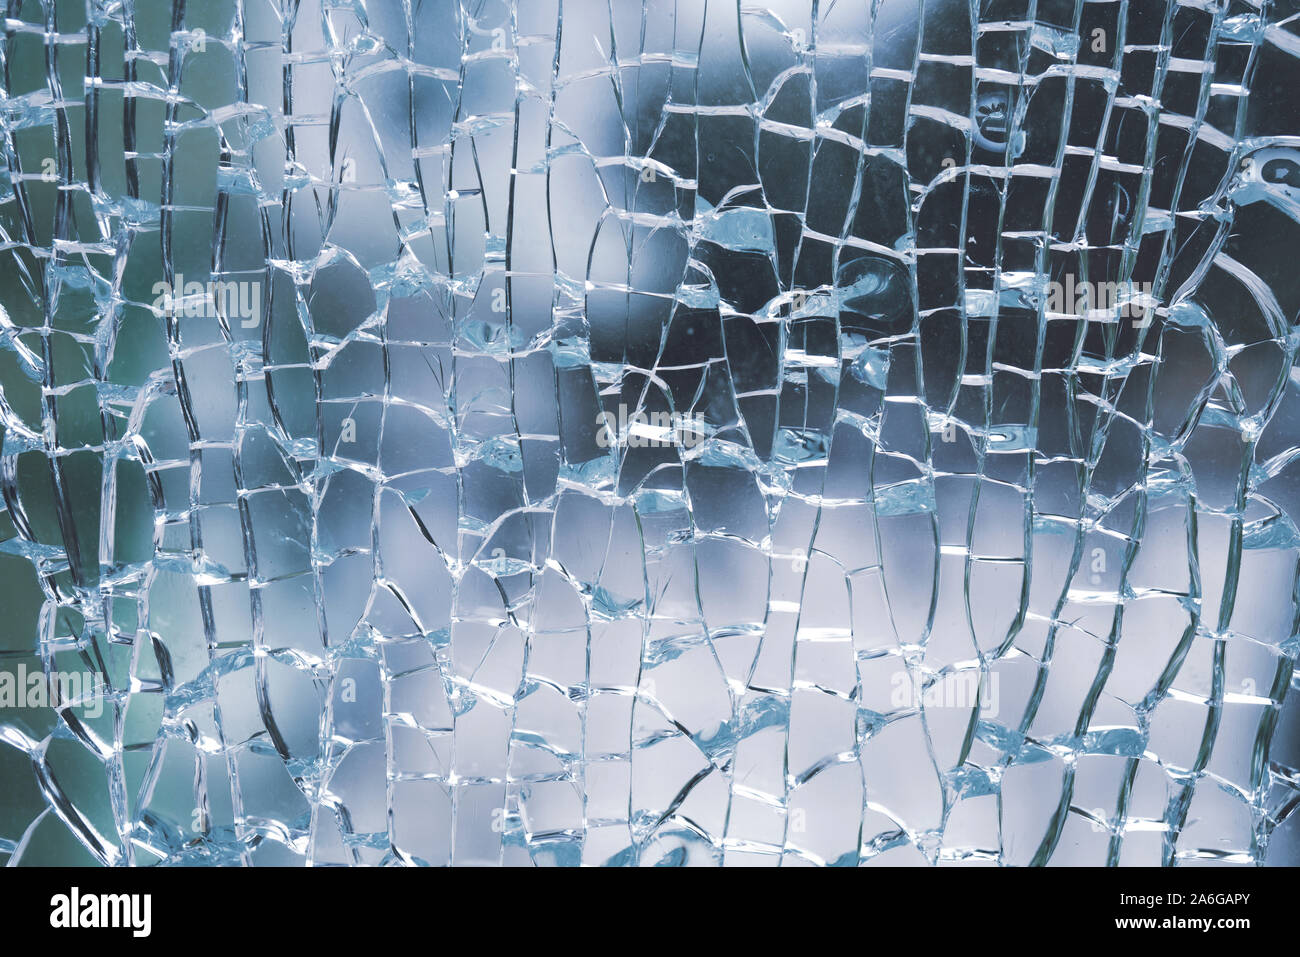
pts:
pixel 662 433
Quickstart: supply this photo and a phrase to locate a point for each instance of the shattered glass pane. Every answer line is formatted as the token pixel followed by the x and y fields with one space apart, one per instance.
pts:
pixel 649 433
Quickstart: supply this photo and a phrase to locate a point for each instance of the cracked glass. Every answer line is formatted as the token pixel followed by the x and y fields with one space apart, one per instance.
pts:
pixel 672 432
